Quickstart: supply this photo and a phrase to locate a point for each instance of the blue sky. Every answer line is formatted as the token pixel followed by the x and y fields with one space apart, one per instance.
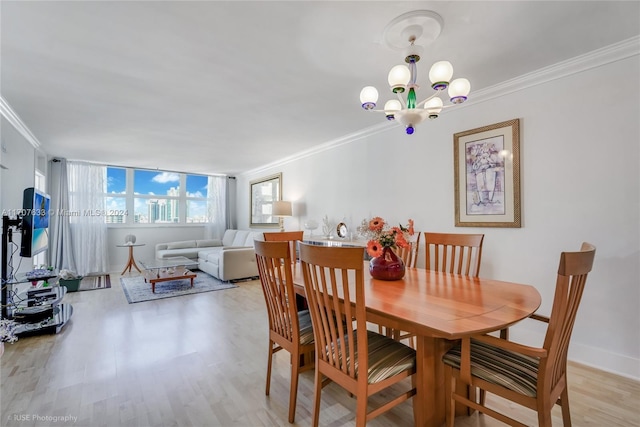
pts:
pixel 154 182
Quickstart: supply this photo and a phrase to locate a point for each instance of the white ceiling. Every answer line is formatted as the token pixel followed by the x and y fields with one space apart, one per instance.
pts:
pixel 226 87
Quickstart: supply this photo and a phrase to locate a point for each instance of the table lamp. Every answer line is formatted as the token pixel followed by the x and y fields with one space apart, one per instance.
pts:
pixel 281 209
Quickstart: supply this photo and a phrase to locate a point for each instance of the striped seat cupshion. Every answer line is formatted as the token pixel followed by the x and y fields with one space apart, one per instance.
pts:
pixel 514 371
pixel 387 357
pixel 306 330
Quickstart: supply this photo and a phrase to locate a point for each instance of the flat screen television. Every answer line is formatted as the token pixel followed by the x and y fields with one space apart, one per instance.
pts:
pixel 35 222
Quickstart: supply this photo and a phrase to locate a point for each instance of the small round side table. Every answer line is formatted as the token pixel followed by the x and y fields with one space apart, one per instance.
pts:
pixel 131 262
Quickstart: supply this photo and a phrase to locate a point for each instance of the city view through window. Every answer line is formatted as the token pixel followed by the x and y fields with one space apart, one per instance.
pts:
pixel 155 197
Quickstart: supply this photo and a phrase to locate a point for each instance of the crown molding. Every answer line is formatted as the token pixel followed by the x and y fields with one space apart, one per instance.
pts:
pixel 15 120
pixel 346 139
pixel 606 55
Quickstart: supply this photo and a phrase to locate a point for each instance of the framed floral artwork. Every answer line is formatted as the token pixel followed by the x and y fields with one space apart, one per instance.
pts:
pixel 263 192
pixel 487 176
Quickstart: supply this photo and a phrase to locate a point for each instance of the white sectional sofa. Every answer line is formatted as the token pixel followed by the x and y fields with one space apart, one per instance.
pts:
pixel 187 248
pixel 231 258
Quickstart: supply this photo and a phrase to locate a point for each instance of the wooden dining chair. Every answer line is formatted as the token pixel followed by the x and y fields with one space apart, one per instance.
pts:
pixel 453 253
pixel 532 377
pixel 361 361
pixel 293 237
pixel 289 329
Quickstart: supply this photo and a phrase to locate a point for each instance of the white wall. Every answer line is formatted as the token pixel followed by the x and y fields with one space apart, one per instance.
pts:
pixel 18 156
pixel 580 156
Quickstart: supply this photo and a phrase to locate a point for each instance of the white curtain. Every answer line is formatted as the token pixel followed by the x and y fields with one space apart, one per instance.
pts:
pixel 216 203
pixel 230 204
pixel 87 186
pixel 61 244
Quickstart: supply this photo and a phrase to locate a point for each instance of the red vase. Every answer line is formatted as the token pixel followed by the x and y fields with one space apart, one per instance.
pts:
pixel 387 266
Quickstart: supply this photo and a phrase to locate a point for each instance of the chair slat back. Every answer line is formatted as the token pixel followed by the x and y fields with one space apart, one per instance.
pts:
pixel 572 277
pixel 454 253
pixel 409 255
pixel 274 269
pixel 293 237
pixel 334 279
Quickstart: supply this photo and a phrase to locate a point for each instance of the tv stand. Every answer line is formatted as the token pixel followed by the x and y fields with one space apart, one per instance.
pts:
pixel 38 309
pixel 51 324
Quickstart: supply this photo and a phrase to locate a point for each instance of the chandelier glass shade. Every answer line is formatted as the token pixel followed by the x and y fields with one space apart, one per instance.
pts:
pixel 403 79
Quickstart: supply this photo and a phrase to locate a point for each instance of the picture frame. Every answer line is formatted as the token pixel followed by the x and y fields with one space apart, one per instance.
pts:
pixel 487 176
pixel 263 192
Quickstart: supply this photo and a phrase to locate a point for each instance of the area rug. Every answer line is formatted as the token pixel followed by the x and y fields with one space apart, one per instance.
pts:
pixel 90 283
pixel 136 290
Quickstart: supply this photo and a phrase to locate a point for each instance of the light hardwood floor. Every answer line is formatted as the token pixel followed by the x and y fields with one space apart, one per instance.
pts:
pixel 201 360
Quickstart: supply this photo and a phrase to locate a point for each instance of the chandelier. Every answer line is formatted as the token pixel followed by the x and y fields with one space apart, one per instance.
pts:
pixel 404 33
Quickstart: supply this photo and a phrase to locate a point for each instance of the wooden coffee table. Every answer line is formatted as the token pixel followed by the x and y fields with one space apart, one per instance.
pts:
pixel 153 276
pixel 158 271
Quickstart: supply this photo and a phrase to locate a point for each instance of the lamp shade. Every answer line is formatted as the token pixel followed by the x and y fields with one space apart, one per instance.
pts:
pixel 399 77
pixel 282 208
pixel 368 97
pixel 392 105
pixel 433 106
pixel 458 90
pixel 440 74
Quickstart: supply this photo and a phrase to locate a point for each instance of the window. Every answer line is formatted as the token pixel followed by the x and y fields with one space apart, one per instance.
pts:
pixel 196 198
pixel 156 197
pixel 116 198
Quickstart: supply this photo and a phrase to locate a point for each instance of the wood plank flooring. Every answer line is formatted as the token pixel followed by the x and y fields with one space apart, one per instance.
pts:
pixel 200 360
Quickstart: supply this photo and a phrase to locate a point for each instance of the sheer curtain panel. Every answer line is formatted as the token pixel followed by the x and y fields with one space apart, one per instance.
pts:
pixel 87 187
pixel 61 245
pixel 231 199
pixel 216 205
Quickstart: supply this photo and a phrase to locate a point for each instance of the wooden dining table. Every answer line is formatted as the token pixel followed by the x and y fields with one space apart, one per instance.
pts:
pixel 440 308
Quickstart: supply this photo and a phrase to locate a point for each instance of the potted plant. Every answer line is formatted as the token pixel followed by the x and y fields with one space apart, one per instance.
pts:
pixel 385 264
pixel 70 279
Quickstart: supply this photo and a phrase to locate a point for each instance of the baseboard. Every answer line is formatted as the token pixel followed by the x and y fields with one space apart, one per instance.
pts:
pixel 594 357
pixel 618 364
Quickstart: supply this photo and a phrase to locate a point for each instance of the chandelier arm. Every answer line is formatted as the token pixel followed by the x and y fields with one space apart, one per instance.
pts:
pixel 402 101
pixel 421 103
